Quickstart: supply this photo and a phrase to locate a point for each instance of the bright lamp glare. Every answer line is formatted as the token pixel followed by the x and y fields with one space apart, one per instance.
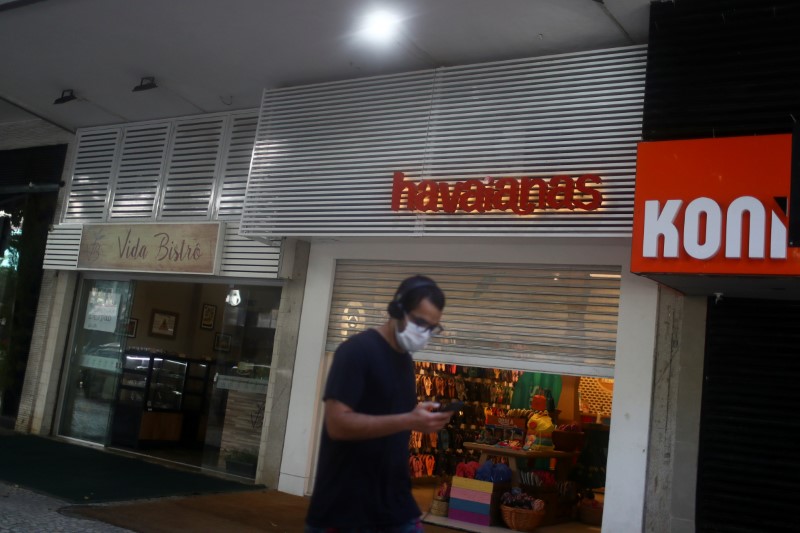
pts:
pixel 381 26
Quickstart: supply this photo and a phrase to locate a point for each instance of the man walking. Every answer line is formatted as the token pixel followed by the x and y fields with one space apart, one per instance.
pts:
pixel 363 482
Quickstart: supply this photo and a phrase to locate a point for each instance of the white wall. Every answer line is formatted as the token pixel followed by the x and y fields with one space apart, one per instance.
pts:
pixel 626 469
pixel 630 421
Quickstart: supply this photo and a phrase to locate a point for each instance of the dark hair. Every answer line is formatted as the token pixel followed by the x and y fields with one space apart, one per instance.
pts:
pixel 411 292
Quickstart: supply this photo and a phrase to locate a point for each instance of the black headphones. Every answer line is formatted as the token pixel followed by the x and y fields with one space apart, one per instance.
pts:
pixel 396 307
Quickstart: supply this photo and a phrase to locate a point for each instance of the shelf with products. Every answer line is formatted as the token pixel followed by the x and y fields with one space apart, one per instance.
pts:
pixel 485 392
pixel 521 435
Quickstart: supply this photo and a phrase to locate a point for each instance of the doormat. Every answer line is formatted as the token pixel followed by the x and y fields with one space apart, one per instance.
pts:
pixel 80 474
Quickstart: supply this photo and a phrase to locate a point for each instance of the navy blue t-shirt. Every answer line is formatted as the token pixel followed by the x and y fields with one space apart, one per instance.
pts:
pixel 366 483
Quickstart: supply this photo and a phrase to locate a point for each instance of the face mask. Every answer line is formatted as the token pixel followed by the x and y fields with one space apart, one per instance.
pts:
pixel 413 338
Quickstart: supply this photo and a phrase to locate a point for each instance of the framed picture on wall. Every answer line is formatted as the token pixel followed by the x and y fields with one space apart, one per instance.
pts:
pixel 207 316
pixel 164 324
pixel 130 329
pixel 222 342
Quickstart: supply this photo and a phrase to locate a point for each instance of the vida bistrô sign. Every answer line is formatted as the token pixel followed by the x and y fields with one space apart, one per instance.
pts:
pixel 179 248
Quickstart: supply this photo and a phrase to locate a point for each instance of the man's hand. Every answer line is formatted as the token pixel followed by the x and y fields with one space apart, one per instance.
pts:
pixel 424 419
pixel 343 423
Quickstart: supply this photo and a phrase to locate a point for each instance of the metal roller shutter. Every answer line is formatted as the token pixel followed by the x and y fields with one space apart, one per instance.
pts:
pixel 748 467
pixel 561 314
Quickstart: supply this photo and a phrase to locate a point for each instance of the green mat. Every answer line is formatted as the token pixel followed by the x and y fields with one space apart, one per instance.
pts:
pixel 85 475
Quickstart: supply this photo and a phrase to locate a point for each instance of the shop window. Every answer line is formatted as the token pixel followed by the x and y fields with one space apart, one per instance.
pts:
pixel 95 365
pixel 534 423
pixel 175 370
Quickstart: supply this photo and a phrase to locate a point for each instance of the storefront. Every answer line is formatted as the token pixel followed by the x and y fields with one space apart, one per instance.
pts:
pixel 712 222
pixel 173 368
pixel 715 219
pixel 508 183
pixel 170 322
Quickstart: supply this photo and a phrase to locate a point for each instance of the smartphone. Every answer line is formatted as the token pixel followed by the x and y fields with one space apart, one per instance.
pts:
pixel 455 405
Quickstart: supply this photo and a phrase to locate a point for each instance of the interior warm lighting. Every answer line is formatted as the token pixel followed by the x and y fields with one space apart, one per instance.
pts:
pixel 381 26
pixel 353 318
pixel 606 276
pixel 233 298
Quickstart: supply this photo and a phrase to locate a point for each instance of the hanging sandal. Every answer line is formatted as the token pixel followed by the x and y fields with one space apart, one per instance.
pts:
pixel 440 386
pixel 430 464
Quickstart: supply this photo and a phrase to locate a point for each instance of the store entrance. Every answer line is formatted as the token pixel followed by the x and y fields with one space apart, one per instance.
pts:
pixel 178 368
pixel 551 431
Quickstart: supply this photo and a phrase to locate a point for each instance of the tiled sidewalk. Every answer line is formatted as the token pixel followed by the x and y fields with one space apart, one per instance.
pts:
pixel 24 511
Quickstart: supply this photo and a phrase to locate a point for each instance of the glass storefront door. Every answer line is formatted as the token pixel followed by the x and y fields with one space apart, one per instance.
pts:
pixel 243 351
pixel 99 336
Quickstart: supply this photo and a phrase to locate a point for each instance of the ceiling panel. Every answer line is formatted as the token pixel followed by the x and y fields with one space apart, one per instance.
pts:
pixel 211 55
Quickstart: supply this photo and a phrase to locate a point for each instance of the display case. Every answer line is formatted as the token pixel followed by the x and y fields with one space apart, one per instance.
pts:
pixel 167 379
pixel 161 398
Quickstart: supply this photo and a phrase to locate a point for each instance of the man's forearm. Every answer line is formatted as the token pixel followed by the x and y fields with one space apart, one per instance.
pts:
pixel 359 426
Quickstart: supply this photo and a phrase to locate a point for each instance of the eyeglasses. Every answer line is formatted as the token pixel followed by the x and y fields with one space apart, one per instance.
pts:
pixel 435 329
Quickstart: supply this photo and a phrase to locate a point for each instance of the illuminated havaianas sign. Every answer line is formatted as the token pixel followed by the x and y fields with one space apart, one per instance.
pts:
pixel 522 196
pixel 714 206
pixel 180 248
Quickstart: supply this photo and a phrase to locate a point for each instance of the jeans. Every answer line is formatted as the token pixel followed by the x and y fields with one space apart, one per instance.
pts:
pixel 412 526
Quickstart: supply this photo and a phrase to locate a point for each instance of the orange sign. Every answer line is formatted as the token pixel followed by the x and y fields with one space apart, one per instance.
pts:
pixel 714 206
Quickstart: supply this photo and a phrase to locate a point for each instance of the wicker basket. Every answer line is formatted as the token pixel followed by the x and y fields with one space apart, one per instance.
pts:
pixel 439 507
pixel 590 515
pixel 521 519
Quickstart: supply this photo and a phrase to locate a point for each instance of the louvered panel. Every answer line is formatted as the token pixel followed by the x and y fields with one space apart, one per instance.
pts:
pixel 140 170
pixel 384 119
pixel 63 246
pixel 751 370
pixel 91 175
pixel 325 155
pixel 191 168
pixel 565 315
pixel 245 257
pixel 722 68
pixel 237 165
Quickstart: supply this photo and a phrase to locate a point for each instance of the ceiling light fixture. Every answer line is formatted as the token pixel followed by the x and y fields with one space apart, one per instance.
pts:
pixel 381 26
pixel 67 95
pixel 233 298
pixel 605 276
pixel 145 84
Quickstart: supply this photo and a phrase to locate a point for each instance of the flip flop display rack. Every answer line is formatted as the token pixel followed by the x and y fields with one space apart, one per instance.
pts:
pixel 485 392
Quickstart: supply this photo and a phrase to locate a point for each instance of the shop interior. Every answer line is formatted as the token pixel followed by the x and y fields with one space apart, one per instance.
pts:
pixel 175 371
pixel 550 431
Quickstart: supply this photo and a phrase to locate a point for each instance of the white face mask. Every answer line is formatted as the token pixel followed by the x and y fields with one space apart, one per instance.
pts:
pixel 413 338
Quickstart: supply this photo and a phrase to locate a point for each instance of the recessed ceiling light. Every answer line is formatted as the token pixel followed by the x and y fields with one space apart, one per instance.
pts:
pixel 605 276
pixel 381 26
